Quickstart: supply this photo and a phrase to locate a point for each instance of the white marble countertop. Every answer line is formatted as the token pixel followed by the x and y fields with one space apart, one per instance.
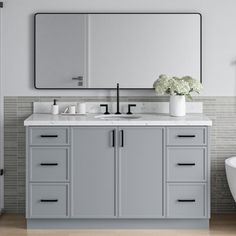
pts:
pixel 91 120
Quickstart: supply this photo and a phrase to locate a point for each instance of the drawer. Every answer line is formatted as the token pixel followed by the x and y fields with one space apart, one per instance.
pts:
pixel 186 201
pixel 48 136
pixel 186 164
pixel 48 201
pixel 49 164
pixel 186 136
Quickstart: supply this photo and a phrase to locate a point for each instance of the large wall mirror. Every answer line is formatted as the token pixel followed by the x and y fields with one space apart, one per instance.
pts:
pixel 97 50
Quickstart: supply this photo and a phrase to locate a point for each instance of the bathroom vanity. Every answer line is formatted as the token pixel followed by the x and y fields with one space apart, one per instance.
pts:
pixel 87 172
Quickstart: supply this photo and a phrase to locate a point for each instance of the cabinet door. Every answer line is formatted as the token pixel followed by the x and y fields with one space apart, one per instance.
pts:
pixel 60 50
pixel 140 175
pixel 93 166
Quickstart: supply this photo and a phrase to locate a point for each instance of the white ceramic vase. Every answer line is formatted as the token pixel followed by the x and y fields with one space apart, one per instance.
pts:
pixel 177 106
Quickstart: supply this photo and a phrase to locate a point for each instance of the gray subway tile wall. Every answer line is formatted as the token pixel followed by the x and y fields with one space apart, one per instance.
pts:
pixel 222 110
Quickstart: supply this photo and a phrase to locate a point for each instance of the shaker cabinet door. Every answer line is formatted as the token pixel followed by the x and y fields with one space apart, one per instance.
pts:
pixel 93 172
pixel 141 172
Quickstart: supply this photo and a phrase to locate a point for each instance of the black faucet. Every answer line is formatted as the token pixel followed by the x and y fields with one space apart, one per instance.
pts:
pixel 117 99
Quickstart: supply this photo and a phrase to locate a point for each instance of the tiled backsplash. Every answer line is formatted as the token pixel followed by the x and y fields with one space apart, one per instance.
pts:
pixel 222 110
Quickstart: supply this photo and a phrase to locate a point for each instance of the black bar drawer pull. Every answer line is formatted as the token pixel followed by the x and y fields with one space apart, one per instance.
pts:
pixel 186 164
pixel 49 200
pixel 186 200
pixel 113 137
pixel 122 138
pixel 186 135
pixel 49 136
pixel 49 164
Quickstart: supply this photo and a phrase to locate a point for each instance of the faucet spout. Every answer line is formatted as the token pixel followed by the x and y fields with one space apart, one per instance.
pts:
pixel 117 99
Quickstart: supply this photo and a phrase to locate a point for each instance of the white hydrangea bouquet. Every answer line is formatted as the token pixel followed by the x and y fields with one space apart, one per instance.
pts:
pixel 178 89
pixel 167 85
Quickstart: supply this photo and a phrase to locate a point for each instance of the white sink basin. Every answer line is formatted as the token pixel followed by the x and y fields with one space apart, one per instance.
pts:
pixel 112 117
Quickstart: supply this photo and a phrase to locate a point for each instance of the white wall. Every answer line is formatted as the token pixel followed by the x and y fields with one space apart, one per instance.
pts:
pixel 219 39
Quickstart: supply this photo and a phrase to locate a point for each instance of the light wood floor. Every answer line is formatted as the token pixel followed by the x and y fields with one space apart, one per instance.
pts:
pixel 14 225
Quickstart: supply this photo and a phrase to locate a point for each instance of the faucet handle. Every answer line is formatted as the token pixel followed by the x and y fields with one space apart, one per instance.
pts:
pixel 105 105
pixel 129 108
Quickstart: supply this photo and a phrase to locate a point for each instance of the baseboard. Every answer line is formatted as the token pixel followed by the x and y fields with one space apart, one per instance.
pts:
pixel 117 224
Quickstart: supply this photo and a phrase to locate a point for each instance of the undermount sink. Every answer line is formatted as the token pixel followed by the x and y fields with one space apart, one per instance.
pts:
pixel 112 117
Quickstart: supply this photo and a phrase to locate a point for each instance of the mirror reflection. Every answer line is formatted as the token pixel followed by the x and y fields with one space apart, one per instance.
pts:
pixel 95 50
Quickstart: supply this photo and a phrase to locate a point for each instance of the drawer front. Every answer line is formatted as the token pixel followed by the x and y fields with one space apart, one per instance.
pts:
pixel 186 201
pixel 186 164
pixel 49 164
pixel 48 136
pixel 186 136
pixel 48 201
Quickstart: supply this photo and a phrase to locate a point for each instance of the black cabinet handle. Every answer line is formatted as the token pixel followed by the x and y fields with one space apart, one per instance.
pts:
pixel 186 136
pixel 49 200
pixel 49 164
pixel 122 138
pixel 186 164
pixel 186 200
pixel 113 137
pixel 49 136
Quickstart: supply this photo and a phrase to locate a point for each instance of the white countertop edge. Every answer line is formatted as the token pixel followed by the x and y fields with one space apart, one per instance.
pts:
pixel 147 120
pixel 121 124
pixel 118 123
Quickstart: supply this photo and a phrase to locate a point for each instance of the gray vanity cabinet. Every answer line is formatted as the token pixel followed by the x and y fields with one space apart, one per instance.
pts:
pixel 48 172
pixel 187 173
pixel 118 175
pixel 141 172
pixel 93 172
pixel 117 172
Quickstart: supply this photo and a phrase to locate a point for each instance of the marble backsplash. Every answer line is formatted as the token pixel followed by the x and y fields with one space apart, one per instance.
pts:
pixel 141 107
